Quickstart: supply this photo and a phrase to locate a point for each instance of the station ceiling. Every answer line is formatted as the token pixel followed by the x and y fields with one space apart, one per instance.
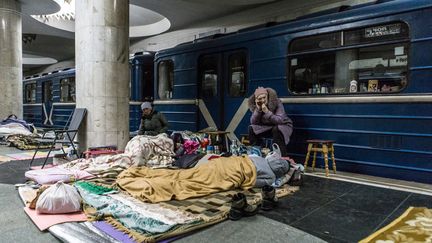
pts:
pixel 48 25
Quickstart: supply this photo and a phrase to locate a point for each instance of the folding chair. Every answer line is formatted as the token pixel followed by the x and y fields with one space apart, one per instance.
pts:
pixel 63 136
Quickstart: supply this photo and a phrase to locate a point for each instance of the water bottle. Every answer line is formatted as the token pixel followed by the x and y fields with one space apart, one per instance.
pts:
pixel 234 147
pixel 216 149
pixel 210 149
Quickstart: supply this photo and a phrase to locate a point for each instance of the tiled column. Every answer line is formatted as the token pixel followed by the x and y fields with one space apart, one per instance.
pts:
pixel 102 71
pixel 11 101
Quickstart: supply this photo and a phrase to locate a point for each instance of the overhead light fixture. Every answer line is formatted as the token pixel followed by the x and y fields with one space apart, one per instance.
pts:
pixel 67 12
pixel 28 38
pixel 142 21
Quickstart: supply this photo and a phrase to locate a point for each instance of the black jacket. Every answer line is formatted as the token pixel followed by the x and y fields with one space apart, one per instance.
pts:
pixel 153 124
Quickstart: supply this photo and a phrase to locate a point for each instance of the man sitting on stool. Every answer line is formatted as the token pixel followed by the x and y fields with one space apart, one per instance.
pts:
pixel 269 119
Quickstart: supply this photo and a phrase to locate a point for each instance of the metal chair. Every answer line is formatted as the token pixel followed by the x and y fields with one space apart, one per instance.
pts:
pixel 63 136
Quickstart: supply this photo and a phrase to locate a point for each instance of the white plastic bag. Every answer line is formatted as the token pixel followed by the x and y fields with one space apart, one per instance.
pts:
pixel 59 198
pixel 275 154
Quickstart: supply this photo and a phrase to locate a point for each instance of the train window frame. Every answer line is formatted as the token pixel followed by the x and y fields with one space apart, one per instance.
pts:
pixel 243 84
pixel 30 98
pixel 398 53
pixel 47 94
pixel 324 42
pixel 165 92
pixel 71 91
pixel 204 78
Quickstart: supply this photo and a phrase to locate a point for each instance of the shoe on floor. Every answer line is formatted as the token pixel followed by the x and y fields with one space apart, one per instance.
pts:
pixel 240 208
pixel 269 200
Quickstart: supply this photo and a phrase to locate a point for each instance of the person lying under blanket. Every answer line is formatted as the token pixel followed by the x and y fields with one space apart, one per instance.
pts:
pixel 221 174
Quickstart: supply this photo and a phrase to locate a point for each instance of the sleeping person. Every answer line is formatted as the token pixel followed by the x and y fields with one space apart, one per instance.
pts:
pixel 221 174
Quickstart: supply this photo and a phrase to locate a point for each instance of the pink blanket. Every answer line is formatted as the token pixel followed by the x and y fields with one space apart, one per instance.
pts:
pixel 44 221
pixel 55 174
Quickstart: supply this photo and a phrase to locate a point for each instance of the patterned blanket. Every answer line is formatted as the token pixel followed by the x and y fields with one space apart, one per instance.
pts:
pixel 26 142
pixel 177 217
pixel 205 211
pixel 151 151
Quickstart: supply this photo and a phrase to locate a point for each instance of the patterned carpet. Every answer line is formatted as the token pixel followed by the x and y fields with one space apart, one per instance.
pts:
pixel 415 225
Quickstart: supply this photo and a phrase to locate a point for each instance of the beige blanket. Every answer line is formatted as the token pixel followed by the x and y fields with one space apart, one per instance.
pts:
pixel 158 185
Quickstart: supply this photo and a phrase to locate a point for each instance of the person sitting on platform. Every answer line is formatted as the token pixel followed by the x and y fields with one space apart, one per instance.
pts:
pixel 152 121
pixel 268 119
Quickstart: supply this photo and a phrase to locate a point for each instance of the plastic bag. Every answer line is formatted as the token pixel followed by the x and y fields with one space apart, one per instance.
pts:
pixel 275 154
pixel 59 198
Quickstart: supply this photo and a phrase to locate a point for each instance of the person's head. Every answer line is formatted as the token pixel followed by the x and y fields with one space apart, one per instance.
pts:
pixel 279 167
pixel 261 95
pixel 146 107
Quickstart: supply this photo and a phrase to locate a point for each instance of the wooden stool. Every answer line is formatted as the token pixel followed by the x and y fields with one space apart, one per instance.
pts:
pixel 267 142
pixel 245 139
pixel 323 146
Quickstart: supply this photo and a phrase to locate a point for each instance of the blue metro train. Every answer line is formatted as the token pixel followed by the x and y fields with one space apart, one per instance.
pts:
pixel 360 75
pixel 49 99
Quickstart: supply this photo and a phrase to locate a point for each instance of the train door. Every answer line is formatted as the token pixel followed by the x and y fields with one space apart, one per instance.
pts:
pixel 47 103
pixel 211 91
pixel 235 88
pixel 222 87
pixel 141 76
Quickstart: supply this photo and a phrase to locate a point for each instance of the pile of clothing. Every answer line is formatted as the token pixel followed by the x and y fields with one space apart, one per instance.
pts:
pixel 12 125
pixel 20 134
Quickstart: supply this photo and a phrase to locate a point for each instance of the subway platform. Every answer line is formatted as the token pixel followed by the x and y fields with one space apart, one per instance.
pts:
pixel 342 208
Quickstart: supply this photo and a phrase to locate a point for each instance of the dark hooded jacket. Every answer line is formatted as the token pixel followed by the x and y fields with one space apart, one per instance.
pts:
pixel 153 124
pixel 262 122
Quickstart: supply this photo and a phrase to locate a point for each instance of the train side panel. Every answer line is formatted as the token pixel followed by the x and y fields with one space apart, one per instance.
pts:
pixel 385 134
pixel 182 111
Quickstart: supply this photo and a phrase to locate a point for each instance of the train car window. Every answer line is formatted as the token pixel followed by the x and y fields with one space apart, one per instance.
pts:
pixel 237 74
pixel 47 91
pixel 376 68
pixel 316 42
pixel 67 90
pixel 165 79
pixel 30 93
pixel 209 76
